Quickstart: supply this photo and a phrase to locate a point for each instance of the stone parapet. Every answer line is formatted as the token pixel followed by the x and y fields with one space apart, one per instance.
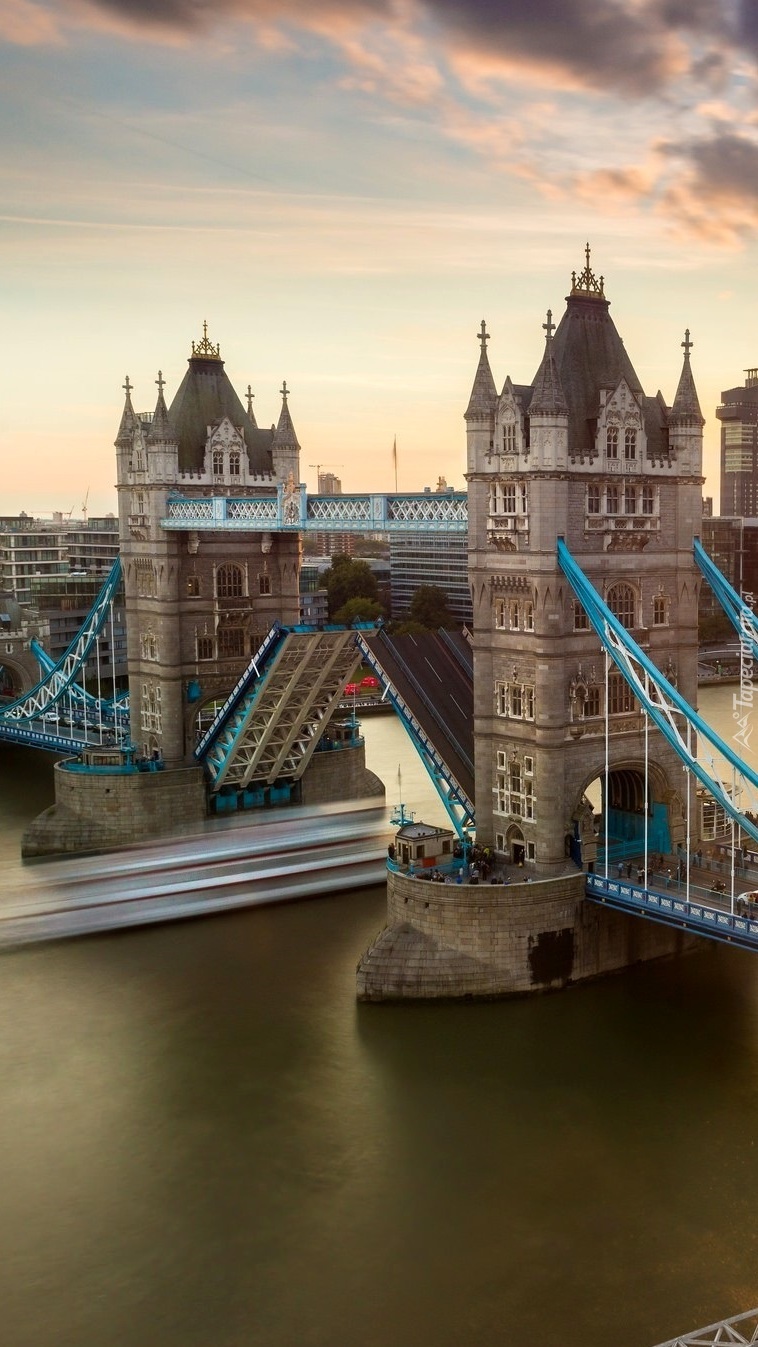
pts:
pixel 495 940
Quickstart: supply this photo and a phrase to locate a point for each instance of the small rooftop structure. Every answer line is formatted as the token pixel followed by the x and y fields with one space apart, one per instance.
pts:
pixel 423 844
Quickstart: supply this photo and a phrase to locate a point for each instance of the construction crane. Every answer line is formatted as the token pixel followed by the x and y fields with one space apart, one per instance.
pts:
pixel 84 506
pixel 319 466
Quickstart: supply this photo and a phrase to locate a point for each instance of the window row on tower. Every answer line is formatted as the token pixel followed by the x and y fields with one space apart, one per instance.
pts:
pixel 514 615
pixel 613 498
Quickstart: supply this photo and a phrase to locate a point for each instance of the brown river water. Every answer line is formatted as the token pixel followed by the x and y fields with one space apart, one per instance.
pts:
pixel 206 1142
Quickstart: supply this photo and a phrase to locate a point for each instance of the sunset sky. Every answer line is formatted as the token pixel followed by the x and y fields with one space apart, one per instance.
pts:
pixel 343 191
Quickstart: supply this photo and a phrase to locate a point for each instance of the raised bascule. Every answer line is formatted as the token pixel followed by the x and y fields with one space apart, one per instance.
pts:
pixel 582 511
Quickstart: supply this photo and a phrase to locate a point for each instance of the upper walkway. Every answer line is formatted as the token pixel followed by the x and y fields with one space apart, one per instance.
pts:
pixel 297 512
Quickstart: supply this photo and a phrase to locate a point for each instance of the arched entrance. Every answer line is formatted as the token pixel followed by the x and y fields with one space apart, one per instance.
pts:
pixel 627 825
pixel 515 846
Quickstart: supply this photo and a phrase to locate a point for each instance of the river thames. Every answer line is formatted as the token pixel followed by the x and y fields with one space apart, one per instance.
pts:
pixel 206 1142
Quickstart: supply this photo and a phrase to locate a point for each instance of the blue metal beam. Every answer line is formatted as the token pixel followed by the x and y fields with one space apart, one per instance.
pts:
pixel 740 614
pixel 660 699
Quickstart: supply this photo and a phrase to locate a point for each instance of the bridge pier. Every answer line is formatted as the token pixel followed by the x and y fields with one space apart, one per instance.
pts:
pixel 104 809
pixel 498 940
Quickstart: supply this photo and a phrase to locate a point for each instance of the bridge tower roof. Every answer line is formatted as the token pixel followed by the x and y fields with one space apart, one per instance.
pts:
pixel 202 399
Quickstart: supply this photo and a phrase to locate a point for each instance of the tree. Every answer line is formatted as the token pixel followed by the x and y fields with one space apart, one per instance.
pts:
pixel 359 610
pixel 429 608
pixel 347 579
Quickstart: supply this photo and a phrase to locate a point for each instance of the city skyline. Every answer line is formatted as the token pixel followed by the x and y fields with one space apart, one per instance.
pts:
pixel 343 191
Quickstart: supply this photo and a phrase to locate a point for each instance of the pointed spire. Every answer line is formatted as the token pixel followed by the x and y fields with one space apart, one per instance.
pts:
pixel 161 428
pixel 251 414
pixel 483 393
pixel 128 419
pixel 284 435
pixel 686 405
pixel 548 398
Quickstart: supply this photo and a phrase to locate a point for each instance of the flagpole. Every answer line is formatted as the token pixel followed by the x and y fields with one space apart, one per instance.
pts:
pixel 394 458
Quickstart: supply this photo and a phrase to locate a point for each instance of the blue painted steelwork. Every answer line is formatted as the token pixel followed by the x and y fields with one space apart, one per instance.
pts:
pixel 740 614
pixel 661 700
pixel 458 807
pixel 243 688
pixel 297 512
pixel 112 711
pixel 673 910
pixel 20 719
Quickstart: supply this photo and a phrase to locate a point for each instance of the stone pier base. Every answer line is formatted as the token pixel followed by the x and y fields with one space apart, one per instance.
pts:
pixel 103 810
pixel 98 811
pixel 495 940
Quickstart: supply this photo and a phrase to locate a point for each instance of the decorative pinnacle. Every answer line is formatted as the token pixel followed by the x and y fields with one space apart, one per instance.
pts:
pixel 687 344
pixel 160 382
pixel 483 336
pixel 205 348
pixel 250 396
pixel 284 390
pixel 586 283
pixel 549 326
pixel 127 387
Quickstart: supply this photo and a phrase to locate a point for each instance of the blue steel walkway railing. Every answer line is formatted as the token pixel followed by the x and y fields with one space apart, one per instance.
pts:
pixel 284 511
pixel 673 910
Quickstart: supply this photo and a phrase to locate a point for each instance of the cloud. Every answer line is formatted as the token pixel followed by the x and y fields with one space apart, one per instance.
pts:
pixel 23 24
pixel 713 192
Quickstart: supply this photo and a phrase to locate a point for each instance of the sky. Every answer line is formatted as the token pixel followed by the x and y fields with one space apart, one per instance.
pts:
pixel 342 191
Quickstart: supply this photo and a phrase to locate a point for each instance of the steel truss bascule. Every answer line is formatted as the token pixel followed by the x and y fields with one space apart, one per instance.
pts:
pixel 741 1328
pixel 664 704
pixel 458 806
pixel 271 731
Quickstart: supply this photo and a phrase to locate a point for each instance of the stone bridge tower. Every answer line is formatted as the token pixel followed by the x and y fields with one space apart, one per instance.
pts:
pixel 580 453
pixel 198 605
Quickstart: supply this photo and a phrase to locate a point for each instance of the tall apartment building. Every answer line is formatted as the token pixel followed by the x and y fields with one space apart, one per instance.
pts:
pixel 93 544
pixel 30 547
pixel 738 414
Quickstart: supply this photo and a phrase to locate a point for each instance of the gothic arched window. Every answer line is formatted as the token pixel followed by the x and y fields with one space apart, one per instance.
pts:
pixel 229 582
pixel 218 462
pixel 622 601
pixel 234 463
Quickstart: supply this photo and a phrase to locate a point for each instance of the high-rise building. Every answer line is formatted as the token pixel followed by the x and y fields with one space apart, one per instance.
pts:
pixel 738 414
pixel 30 547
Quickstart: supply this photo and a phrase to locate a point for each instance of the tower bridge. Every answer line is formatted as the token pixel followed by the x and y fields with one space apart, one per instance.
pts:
pixel 582 514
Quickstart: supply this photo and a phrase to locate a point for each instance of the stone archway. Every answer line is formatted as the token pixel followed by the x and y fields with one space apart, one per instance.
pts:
pixel 515 845
pixel 627 826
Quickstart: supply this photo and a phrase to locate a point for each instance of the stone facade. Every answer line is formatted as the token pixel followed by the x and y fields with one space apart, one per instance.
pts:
pixel 197 606
pixel 492 940
pixel 579 454
pixel 95 811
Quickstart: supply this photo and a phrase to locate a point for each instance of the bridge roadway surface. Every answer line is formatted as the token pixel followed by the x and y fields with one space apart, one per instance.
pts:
pixel 434 675
pixel 273 857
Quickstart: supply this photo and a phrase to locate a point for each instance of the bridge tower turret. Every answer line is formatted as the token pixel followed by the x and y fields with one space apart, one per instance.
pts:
pixel 580 453
pixel 198 603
